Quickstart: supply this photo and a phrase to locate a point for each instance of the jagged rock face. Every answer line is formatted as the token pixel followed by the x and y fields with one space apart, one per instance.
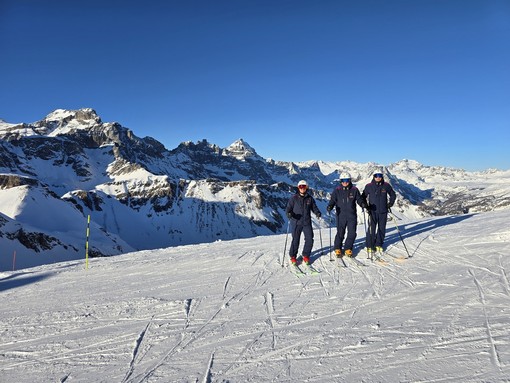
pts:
pixel 8 158
pixel 140 195
pixel 8 181
pixel 90 200
pixel 34 241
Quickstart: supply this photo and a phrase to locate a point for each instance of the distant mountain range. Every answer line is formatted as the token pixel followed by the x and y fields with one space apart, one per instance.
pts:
pixel 56 172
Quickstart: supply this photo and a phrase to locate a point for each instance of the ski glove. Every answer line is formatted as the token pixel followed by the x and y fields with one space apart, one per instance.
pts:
pixel 329 208
pixel 390 205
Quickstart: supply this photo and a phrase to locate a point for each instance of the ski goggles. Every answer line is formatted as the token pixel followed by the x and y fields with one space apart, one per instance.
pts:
pixel 378 175
pixel 302 186
pixel 345 180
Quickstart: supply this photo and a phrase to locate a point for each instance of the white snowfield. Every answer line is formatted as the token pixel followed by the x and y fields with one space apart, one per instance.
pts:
pixel 228 312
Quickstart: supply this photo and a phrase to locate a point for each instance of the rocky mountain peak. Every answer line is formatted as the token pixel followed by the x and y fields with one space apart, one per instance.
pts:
pixel 63 121
pixel 84 114
pixel 240 150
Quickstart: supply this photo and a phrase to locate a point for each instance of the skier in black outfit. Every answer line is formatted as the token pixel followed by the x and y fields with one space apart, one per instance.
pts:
pixel 299 210
pixel 380 197
pixel 344 198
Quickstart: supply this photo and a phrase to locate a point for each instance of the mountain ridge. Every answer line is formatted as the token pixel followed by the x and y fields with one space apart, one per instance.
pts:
pixel 141 195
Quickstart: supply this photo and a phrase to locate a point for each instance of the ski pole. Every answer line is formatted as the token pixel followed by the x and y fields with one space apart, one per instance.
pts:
pixel 330 224
pixel 365 225
pixel 368 235
pixel 331 252
pixel 366 232
pixel 285 247
pixel 320 234
pixel 398 231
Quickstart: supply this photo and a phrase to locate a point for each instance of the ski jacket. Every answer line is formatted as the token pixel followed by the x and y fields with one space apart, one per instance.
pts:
pixel 378 195
pixel 345 199
pixel 301 207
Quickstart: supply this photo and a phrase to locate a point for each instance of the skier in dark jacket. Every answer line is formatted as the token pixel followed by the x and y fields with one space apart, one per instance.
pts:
pixel 344 198
pixel 299 210
pixel 380 197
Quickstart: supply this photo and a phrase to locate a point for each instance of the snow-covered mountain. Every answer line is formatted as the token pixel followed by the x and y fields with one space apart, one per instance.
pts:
pixel 139 195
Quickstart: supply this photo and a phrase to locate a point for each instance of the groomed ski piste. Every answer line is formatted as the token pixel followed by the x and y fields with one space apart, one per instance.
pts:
pixel 228 312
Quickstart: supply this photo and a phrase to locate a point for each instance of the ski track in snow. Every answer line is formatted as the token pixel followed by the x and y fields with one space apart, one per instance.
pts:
pixel 440 316
pixel 490 338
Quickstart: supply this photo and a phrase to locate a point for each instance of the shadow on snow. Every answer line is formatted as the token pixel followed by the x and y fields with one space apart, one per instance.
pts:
pixel 21 279
pixel 394 236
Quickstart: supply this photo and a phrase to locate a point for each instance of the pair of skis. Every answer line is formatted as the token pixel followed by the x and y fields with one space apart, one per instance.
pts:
pixel 355 261
pixel 301 268
pixel 380 257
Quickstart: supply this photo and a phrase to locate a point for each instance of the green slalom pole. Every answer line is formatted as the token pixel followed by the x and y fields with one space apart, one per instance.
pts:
pixel 87 244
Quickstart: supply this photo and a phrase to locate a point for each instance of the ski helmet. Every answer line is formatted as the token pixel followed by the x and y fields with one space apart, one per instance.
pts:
pixel 302 183
pixel 345 176
pixel 378 171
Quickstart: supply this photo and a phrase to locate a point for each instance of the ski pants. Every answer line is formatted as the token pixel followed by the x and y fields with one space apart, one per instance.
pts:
pixel 344 222
pixel 296 235
pixel 377 229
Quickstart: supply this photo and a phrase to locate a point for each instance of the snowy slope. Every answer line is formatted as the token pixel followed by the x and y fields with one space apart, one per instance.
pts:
pixel 228 312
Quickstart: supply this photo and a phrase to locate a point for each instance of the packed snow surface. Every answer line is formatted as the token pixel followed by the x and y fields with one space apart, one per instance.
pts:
pixel 229 312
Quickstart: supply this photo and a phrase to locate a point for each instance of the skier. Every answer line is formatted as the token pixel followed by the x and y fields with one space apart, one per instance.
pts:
pixel 299 210
pixel 380 197
pixel 344 198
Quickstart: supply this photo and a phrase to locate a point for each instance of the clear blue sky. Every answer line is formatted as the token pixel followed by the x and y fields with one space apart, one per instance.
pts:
pixel 333 80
